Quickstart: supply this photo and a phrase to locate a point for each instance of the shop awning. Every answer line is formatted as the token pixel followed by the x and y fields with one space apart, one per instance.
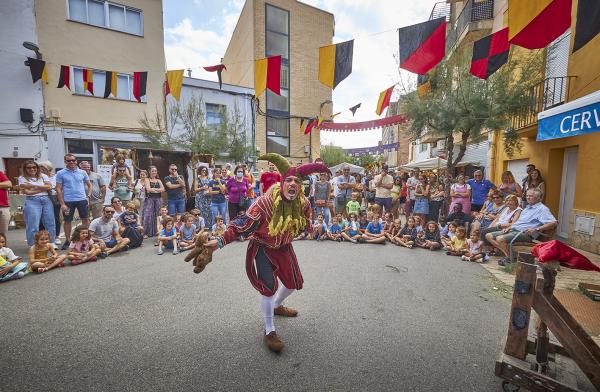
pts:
pixel 353 168
pixel 432 163
pixel 574 118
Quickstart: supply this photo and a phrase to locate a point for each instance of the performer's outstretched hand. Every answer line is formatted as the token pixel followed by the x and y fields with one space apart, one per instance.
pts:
pixel 212 244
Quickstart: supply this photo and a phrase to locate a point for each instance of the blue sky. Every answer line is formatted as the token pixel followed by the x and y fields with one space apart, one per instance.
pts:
pixel 197 33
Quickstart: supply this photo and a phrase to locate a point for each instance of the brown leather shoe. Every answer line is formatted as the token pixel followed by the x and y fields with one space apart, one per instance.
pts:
pixel 286 312
pixel 273 342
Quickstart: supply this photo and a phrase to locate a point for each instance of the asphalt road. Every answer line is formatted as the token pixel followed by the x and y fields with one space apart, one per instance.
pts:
pixel 371 317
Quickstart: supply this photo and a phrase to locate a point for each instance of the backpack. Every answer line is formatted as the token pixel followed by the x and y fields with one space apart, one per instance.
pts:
pixel 135 237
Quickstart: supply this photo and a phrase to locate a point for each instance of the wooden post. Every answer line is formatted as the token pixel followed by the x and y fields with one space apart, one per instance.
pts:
pixel 520 312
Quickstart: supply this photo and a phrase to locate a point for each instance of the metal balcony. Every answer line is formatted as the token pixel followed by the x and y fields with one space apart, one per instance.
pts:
pixel 441 9
pixel 547 94
pixel 472 13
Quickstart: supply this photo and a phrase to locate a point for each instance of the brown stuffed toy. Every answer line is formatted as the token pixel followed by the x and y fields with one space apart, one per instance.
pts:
pixel 200 254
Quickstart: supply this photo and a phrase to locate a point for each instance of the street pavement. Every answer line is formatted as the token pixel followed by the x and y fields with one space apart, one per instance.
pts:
pixel 371 317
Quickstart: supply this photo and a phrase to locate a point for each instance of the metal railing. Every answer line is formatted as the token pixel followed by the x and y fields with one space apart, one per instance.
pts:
pixel 441 9
pixel 473 11
pixel 546 94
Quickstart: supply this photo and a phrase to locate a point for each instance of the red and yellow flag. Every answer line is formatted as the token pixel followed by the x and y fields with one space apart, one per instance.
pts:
pixel 534 24
pixel 267 75
pixel 174 82
pixel 384 100
pixel 88 80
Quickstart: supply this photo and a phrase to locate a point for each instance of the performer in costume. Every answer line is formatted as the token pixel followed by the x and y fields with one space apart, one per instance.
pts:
pixel 270 224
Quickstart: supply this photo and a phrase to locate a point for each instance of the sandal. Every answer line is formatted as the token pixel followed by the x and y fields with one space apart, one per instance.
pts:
pixel 41 269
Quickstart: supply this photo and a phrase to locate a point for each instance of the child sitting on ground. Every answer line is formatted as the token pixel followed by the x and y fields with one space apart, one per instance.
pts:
pixel 162 215
pixel 418 224
pixel 130 218
pixel 219 227
pixel 406 237
pixel 11 266
pixel 335 230
pixel 82 247
pixel 353 206
pixel 393 232
pixel 374 233
pixel 168 237
pixel 352 232
pixel 42 256
pixel 430 237
pixel 199 221
pixel 458 243
pixel 388 222
pixel 319 229
pixel 447 239
pixel 363 222
pixel 475 248
pixel 187 233
pixel 443 227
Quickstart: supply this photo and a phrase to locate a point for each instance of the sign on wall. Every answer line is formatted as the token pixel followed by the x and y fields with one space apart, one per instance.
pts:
pixel 578 117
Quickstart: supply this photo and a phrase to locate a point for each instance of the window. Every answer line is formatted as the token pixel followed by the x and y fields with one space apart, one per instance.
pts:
pixel 214 115
pixel 422 147
pixel 277 42
pixel 105 14
pixel 124 85
pixel 80 146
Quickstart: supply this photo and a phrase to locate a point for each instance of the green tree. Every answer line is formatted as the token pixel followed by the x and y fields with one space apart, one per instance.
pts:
pixel 185 129
pixel 333 155
pixel 367 160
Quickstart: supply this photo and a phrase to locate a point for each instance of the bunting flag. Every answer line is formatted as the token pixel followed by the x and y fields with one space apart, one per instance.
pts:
pixel 65 77
pixel 533 24
pixel 423 85
pixel 422 46
pixel 384 100
pixel 110 84
pixel 335 63
pixel 311 124
pixel 363 125
pixel 174 82
pixel 489 54
pixel 218 69
pixel 301 125
pixel 267 75
pixel 354 108
pixel 37 69
pixel 588 22
pixel 139 85
pixel 88 80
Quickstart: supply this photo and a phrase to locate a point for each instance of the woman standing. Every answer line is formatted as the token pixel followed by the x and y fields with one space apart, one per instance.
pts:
pixel 395 192
pixel 422 198
pixel 534 181
pixel 38 206
pixel 121 185
pixel 460 192
pixel 322 192
pixel 139 189
pixel 509 186
pixel 237 186
pixel 250 194
pixel 218 203
pixel 202 198
pixel 435 203
pixel 153 202
pixel 47 168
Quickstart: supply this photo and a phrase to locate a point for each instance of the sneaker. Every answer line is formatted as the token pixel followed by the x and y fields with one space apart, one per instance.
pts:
pixel 19 275
pixel 486 258
pixel 160 252
pixel 503 262
pixel 466 258
pixel 57 241
pixel 175 252
pixel 125 248
pixel 103 255
pixel 65 245
pixel 354 241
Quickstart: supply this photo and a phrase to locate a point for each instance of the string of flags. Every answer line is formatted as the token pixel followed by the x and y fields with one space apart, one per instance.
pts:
pixel 532 24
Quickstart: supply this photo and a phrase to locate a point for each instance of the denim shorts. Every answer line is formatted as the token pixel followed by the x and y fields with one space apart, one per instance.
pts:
pixel 111 243
pixel 176 206
pixel 80 205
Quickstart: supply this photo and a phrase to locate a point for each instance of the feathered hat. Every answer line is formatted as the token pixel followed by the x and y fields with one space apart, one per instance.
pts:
pixel 287 170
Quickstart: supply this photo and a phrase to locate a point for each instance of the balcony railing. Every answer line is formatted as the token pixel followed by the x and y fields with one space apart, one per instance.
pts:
pixel 547 94
pixel 441 9
pixel 473 11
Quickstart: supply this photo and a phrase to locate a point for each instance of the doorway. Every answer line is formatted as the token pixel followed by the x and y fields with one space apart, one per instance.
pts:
pixel 13 169
pixel 567 190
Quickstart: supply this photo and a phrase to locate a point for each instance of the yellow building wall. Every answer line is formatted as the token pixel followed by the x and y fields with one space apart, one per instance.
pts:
pixel 72 43
pixel 548 156
pixel 310 28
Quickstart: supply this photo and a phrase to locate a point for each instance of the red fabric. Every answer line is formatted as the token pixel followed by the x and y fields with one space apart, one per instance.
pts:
pixel 311 124
pixel 499 42
pixel 557 251
pixel 3 192
pixel 267 179
pixel 362 125
pixel 429 54
pixel 546 27
pixel 274 74
pixel 215 68
pixel 386 100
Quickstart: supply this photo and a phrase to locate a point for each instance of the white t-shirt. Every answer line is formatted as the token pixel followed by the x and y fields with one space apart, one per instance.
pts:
pixel 33 181
pixel 380 191
pixel 412 182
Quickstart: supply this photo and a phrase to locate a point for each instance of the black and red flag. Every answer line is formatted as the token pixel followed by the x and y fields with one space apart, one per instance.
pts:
pixel 588 22
pixel 422 46
pixel 140 79
pixel 65 79
pixel 218 69
pixel 354 108
pixel 489 54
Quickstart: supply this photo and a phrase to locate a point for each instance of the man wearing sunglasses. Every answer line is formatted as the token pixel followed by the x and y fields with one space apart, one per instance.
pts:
pixel 73 190
pixel 480 188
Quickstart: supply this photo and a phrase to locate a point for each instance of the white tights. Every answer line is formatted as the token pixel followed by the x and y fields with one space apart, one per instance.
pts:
pixel 267 304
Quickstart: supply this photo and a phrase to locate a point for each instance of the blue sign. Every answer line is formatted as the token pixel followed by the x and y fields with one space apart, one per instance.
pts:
pixel 578 121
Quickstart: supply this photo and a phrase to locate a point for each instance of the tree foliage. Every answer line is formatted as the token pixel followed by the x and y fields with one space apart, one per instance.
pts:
pixel 333 155
pixel 186 130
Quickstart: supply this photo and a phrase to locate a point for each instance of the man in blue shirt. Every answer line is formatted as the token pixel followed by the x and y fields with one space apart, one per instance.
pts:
pixel 534 218
pixel 73 190
pixel 480 187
